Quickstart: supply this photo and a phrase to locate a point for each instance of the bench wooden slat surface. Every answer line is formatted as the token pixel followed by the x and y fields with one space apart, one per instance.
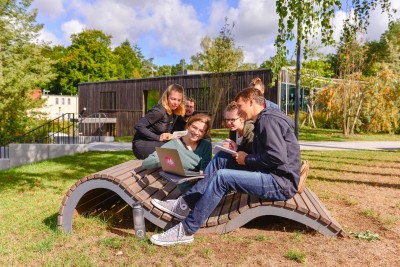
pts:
pixel 130 183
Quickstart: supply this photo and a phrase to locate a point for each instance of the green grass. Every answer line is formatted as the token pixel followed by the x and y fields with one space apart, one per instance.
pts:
pixel 31 196
pixel 311 134
pixel 305 134
pixel 296 255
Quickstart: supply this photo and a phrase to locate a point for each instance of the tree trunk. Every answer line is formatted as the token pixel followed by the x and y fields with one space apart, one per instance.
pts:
pixel 297 94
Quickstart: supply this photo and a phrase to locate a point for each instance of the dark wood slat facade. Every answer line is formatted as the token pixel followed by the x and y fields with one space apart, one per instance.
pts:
pixel 125 99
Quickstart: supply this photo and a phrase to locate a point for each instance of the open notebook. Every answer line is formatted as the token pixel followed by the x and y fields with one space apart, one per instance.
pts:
pixel 172 168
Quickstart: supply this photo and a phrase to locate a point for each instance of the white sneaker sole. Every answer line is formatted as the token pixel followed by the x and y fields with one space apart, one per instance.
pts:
pixel 170 243
pixel 161 207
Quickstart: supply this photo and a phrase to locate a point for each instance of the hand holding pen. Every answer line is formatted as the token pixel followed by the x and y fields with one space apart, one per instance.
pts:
pixel 228 143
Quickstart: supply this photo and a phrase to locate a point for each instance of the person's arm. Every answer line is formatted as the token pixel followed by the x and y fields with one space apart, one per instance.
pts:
pixel 272 150
pixel 152 116
pixel 206 153
pixel 248 135
pixel 152 161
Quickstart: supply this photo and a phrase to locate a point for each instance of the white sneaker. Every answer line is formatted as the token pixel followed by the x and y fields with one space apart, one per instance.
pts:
pixel 173 236
pixel 176 207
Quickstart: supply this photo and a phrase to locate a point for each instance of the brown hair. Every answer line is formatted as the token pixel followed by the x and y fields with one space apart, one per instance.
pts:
pixel 234 106
pixel 200 117
pixel 190 100
pixel 180 110
pixel 258 82
pixel 251 93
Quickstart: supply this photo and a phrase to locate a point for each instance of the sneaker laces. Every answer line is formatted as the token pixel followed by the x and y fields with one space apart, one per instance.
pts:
pixel 174 231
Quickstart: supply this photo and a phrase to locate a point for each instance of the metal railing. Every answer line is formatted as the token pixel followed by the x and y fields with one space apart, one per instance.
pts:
pixel 61 130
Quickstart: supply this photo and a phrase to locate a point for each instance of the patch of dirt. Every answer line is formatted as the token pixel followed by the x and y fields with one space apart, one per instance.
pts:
pixel 362 196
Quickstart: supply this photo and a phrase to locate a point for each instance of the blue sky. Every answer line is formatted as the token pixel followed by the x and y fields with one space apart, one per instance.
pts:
pixel 169 30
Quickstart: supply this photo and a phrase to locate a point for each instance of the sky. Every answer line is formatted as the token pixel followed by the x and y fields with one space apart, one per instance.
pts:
pixel 171 30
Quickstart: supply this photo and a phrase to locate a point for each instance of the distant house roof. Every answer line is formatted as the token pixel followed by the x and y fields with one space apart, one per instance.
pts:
pixel 189 72
pixel 37 94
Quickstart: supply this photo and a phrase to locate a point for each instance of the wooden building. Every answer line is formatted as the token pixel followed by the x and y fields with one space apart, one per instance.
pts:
pixel 128 100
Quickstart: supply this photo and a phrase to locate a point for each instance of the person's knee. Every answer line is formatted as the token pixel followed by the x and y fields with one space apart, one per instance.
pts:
pixel 221 177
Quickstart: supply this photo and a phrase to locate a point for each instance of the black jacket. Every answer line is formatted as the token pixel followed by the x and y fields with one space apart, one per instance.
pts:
pixel 155 122
pixel 276 149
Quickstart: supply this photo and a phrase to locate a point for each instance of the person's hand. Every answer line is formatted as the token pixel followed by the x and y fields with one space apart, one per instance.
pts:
pixel 165 137
pixel 227 143
pixel 201 172
pixel 240 157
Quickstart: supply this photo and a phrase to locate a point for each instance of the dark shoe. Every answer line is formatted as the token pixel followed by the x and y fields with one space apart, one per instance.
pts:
pixel 176 207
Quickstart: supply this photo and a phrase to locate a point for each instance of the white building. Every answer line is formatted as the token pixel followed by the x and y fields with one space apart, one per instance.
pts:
pixel 56 105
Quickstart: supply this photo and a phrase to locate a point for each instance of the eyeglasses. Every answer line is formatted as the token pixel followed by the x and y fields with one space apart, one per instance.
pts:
pixel 231 120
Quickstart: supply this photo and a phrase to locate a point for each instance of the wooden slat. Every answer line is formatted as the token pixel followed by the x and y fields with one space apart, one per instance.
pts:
pixel 321 211
pixel 301 206
pixel 312 211
pixel 290 204
pixel 145 185
pixel 244 203
pixel 254 201
pixel 213 218
pixel 226 207
pixel 234 211
pixel 333 223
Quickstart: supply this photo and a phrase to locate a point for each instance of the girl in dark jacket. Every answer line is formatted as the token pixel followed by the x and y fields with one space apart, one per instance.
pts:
pixel 240 131
pixel 157 125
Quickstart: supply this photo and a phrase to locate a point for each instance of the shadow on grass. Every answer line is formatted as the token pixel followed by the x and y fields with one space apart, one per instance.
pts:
pixel 347 181
pixel 51 222
pixel 52 173
pixel 364 156
pixel 369 164
pixel 276 223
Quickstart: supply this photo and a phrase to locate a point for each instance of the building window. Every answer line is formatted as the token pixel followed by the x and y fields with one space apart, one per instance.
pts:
pixel 108 100
pixel 57 101
pixel 62 101
pixel 69 101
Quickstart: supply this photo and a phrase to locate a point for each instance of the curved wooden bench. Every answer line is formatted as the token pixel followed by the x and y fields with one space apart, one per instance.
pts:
pixel 129 183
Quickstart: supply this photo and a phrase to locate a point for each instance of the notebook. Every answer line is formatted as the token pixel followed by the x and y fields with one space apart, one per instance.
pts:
pixel 172 168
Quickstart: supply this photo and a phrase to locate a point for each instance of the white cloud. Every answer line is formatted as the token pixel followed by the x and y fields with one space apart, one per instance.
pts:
pixel 72 27
pixel 173 29
pixel 48 36
pixel 51 9
pixel 379 21
pixel 165 25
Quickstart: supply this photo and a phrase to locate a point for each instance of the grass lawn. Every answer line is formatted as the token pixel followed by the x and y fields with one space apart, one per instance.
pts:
pixel 306 134
pixel 360 188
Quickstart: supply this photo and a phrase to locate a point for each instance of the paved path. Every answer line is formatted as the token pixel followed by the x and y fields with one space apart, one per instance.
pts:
pixel 353 145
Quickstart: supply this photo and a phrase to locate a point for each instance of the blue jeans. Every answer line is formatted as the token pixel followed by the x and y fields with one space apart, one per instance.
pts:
pixel 223 175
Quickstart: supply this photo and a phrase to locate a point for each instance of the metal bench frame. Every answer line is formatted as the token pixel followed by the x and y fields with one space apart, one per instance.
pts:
pixel 129 182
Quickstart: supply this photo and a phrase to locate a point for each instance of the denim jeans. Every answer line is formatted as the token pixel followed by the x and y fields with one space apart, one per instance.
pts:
pixel 223 175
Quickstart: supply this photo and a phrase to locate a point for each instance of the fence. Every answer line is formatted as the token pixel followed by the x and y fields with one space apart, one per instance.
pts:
pixel 65 129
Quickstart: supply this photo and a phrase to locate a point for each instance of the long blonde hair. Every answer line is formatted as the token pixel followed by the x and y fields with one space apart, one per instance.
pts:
pixel 180 110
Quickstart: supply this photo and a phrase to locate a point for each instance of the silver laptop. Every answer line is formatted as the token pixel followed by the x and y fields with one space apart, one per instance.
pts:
pixel 171 162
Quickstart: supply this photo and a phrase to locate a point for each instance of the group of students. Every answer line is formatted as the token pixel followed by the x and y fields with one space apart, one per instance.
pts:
pixel 267 163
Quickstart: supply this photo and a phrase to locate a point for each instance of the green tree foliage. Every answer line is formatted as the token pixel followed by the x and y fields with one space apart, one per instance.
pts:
pixel 89 58
pixel 23 67
pixel 304 19
pixel 129 60
pixel 55 53
pixel 386 50
pixel 363 104
pixel 219 54
pixel 149 69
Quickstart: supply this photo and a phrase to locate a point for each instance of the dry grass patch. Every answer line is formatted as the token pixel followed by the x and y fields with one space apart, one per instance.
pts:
pixel 360 188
